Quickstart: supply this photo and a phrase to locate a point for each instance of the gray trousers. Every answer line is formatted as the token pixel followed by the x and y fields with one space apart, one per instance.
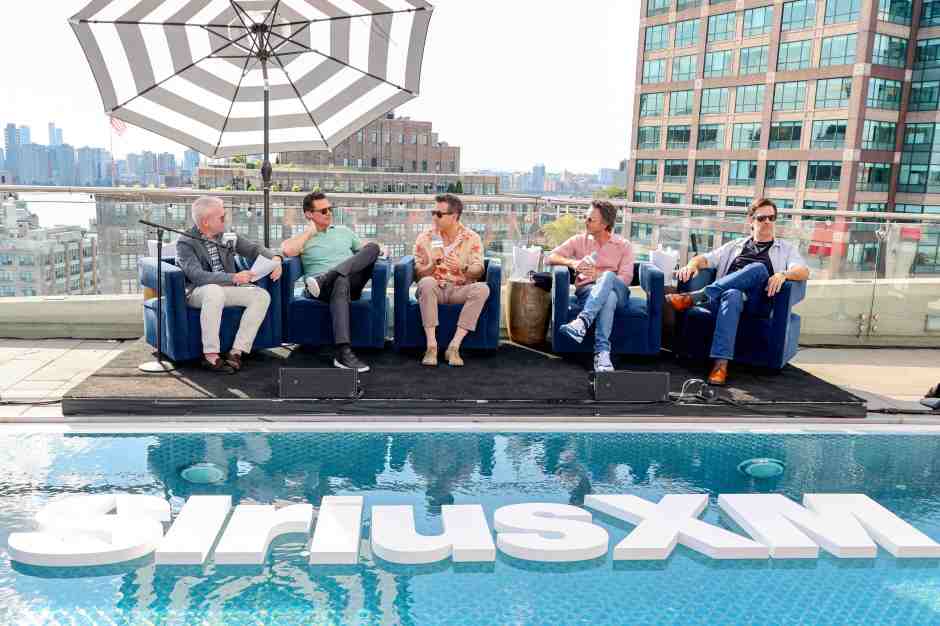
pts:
pixel 343 284
pixel 211 299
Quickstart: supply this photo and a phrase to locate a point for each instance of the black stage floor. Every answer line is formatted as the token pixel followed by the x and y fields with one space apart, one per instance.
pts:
pixel 512 381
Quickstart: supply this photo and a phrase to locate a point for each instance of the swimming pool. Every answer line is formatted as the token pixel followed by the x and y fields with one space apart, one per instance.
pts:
pixel 428 470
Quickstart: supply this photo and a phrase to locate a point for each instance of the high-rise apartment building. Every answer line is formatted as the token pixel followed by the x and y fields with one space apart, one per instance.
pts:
pixel 818 104
pixel 55 135
pixel 44 261
pixel 390 144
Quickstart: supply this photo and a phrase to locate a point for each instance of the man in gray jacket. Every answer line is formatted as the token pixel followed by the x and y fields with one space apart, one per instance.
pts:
pixel 212 284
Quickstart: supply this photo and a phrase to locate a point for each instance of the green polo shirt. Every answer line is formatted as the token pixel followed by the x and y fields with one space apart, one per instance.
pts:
pixel 327 249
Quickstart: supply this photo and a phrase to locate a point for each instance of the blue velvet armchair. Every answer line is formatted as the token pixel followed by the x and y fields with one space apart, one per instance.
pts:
pixel 308 321
pixel 409 332
pixel 182 330
pixel 638 324
pixel 768 341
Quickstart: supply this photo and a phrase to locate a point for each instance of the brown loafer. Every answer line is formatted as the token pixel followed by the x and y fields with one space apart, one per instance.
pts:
pixel 719 374
pixel 234 361
pixel 430 357
pixel 220 366
pixel 453 357
pixel 680 301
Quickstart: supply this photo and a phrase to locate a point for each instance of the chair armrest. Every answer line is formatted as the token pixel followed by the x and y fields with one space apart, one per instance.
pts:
pixel 797 291
pixel 652 281
pixel 404 277
pixel 699 281
pixel 494 277
pixel 173 296
pixel 561 293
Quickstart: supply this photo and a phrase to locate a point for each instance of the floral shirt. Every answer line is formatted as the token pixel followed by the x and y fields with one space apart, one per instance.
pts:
pixel 462 257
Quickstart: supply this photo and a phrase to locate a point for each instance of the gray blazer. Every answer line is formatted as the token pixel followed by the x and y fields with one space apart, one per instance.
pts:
pixel 193 258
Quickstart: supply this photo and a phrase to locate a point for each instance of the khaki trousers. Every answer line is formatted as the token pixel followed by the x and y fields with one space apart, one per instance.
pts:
pixel 472 297
pixel 213 298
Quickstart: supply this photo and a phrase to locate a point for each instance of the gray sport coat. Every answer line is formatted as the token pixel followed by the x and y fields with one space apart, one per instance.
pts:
pixel 193 258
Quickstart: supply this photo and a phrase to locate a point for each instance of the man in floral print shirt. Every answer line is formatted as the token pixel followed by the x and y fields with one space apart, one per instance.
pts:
pixel 449 265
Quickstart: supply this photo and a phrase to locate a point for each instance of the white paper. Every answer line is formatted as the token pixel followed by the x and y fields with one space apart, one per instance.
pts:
pixel 525 260
pixel 169 249
pixel 262 267
pixel 666 260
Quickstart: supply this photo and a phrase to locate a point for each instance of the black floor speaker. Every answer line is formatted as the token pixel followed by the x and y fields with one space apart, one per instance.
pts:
pixel 316 383
pixel 627 386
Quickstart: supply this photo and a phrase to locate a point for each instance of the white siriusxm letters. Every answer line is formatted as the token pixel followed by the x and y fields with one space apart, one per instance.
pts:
pixel 549 532
pixel 837 522
pixel 190 539
pixel 90 530
pixel 661 526
pixel 254 526
pixel 80 531
pixel 339 526
pixel 466 535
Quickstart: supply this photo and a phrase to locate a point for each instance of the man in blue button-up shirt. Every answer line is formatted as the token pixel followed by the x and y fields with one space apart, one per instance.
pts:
pixel 745 267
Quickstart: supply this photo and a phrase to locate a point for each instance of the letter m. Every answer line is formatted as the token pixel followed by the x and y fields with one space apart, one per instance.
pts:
pixel 846 525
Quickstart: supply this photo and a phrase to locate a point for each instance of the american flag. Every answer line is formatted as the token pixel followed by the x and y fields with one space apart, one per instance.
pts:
pixel 119 126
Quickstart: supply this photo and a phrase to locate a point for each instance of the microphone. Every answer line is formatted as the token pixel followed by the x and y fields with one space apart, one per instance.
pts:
pixel 694 243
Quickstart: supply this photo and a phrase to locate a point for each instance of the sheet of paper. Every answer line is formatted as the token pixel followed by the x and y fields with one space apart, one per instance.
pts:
pixel 262 267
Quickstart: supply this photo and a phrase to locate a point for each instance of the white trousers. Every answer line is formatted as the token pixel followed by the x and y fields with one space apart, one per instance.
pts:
pixel 213 298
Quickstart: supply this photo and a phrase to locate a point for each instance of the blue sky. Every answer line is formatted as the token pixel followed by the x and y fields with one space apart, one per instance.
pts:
pixel 513 82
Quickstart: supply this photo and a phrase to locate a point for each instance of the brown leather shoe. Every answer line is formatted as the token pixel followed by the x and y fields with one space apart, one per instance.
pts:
pixel 680 301
pixel 234 361
pixel 719 374
pixel 453 357
pixel 430 357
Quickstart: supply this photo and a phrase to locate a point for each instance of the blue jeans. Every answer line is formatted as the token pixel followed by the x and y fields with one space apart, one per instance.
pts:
pixel 726 300
pixel 599 303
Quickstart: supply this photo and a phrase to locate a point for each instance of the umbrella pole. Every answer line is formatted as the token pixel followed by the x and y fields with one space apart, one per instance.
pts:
pixel 266 166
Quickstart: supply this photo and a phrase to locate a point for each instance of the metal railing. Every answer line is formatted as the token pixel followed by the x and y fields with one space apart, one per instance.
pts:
pixel 875 281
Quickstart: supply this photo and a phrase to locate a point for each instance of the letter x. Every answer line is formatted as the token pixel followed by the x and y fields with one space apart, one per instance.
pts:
pixel 673 520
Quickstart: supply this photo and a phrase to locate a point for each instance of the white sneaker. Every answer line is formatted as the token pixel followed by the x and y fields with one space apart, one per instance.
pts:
pixel 602 362
pixel 313 287
pixel 576 329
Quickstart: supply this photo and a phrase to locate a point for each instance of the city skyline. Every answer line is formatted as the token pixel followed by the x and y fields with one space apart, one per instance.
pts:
pixel 509 106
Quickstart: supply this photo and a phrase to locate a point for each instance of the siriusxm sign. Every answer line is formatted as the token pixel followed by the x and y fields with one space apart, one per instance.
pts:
pixel 90 530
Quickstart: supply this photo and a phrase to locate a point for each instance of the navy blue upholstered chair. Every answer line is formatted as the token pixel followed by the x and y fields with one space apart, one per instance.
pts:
pixel 182 330
pixel 308 321
pixel 638 324
pixel 769 340
pixel 409 333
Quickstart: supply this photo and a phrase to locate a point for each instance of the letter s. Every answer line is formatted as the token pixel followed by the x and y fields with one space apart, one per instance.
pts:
pixel 79 531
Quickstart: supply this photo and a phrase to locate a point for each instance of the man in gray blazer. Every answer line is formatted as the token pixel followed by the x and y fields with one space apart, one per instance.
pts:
pixel 212 284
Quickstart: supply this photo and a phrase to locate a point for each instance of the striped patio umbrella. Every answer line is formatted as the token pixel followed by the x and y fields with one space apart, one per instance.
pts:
pixel 230 77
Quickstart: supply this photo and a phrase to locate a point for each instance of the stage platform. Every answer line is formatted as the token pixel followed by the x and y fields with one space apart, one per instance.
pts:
pixel 513 381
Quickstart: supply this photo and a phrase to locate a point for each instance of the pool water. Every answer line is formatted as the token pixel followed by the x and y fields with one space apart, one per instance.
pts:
pixel 428 470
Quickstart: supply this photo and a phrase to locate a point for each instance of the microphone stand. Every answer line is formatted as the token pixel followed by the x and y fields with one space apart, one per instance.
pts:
pixel 158 366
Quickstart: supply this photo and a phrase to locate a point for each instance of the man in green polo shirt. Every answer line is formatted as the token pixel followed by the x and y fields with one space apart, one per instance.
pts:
pixel 336 267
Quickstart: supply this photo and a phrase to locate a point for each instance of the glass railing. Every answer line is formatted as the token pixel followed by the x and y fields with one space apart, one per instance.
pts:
pixel 875 281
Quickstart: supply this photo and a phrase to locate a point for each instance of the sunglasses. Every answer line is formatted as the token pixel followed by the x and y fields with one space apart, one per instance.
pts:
pixel 440 214
pixel 324 210
pixel 765 218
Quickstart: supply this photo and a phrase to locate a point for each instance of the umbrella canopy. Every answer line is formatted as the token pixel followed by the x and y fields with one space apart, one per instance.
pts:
pixel 196 71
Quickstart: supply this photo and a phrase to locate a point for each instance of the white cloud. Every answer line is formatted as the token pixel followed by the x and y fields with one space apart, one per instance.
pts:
pixel 513 82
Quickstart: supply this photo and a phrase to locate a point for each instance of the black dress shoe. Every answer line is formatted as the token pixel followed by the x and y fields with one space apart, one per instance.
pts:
pixel 234 361
pixel 346 359
pixel 219 367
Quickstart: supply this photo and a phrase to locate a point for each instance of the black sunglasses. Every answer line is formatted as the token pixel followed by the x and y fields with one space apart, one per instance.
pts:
pixel 440 214
pixel 765 218
pixel 324 210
